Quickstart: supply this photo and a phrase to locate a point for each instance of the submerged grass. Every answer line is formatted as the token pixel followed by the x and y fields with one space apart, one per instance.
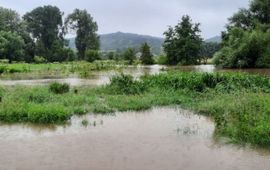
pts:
pixel 238 103
pixel 81 68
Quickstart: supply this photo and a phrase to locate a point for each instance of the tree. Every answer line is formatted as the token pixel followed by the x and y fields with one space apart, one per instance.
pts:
pixel 110 55
pixel 182 43
pixel 92 55
pixel 246 42
pixel 146 55
pixel 46 27
pixel 11 46
pixel 86 30
pixel 9 20
pixel 129 55
pixel 208 49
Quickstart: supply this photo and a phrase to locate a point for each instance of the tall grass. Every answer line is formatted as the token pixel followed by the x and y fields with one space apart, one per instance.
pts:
pixel 238 103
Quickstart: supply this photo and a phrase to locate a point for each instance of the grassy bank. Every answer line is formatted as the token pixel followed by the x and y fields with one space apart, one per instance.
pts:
pixel 239 103
pixel 81 68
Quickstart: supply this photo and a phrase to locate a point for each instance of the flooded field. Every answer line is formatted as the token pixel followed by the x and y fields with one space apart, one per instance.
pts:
pixel 95 79
pixel 103 77
pixel 162 138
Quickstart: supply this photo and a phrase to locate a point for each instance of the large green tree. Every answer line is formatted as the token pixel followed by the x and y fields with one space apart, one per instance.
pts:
pixel 183 42
pixel 46 27
pixel 146 55
pixel 246 41
pixel 11 46
pixel 86 29
pixel 129 55
pixel 10 21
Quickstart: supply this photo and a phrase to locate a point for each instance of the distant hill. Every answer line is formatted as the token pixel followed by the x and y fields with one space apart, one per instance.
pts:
pixel 214 39
pixel 120 41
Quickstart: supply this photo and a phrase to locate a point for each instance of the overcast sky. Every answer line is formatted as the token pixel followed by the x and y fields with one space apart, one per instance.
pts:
pixel 149 17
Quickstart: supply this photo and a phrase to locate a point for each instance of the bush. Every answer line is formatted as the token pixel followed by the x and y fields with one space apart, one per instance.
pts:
pixel 162 59
pixel 245 49
pixel 125 84
pixel 3 69
pixel 92 55
pixel 59 88
pixel 39 59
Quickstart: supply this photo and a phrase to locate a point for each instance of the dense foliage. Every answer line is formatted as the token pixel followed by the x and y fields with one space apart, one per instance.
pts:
pixel 46 26
pixel 146 55
pixel 182 43
pixel 39 34
pixel 238 103
pixel 86 30
pixel 207 51
pixel 246 41
pixel 129 55
pixel 11 46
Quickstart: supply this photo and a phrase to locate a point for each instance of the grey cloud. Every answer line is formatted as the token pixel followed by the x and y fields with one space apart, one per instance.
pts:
pixel 150 17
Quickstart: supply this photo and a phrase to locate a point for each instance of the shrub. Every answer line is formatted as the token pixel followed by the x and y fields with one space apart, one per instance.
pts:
pixel 14 70
pixel 162 59
pixel 125 84
pixel 92 55
pixel 39 59
pixel 59 88
pixel 3 69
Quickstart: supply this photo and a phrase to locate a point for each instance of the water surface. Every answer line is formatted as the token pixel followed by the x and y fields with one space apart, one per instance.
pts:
pixel 161 138
pixel 97 78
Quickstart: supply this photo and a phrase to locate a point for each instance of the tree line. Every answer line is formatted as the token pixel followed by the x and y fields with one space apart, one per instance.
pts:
pixel 245 43
pixel 39 36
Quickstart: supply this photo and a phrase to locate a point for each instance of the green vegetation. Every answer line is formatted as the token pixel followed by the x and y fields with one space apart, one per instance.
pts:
pixel 58 88
pixel 239 103
pixel 46 26
pixel 246 42
pixel 182 43
pixel 82 68
pixel 91 55
pixel 146 55
pixel 39 35
pixel 129 55
pixel 207 51
pixel 11 46
pixel 86 28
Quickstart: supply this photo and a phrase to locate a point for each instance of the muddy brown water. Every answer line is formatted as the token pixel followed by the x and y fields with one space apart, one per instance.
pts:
pixel 101 78
pixel 161 138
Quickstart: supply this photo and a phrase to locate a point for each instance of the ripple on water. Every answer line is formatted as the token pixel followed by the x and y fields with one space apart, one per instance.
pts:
pixel 161 138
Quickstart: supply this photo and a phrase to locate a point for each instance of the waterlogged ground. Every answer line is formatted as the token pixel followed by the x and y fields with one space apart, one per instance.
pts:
pixel 102 77
pixel 96 77
pixel 161 138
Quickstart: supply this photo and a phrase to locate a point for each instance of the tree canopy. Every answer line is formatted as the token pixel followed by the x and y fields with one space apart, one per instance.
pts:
pixel 11 46
pixel 86 29
pixel 246 42
pixel 146 55
pixel 182 43
pixel 46 26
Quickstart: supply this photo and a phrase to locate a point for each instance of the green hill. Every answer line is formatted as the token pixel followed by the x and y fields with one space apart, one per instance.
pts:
pixel 216 39
pixel 120 41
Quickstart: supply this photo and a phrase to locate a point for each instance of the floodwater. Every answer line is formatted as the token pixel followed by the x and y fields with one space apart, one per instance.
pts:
pixel 103 77
pixel 158 139
pixel 96 78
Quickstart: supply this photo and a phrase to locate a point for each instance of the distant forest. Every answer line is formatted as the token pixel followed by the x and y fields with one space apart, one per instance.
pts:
pixel 39 36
